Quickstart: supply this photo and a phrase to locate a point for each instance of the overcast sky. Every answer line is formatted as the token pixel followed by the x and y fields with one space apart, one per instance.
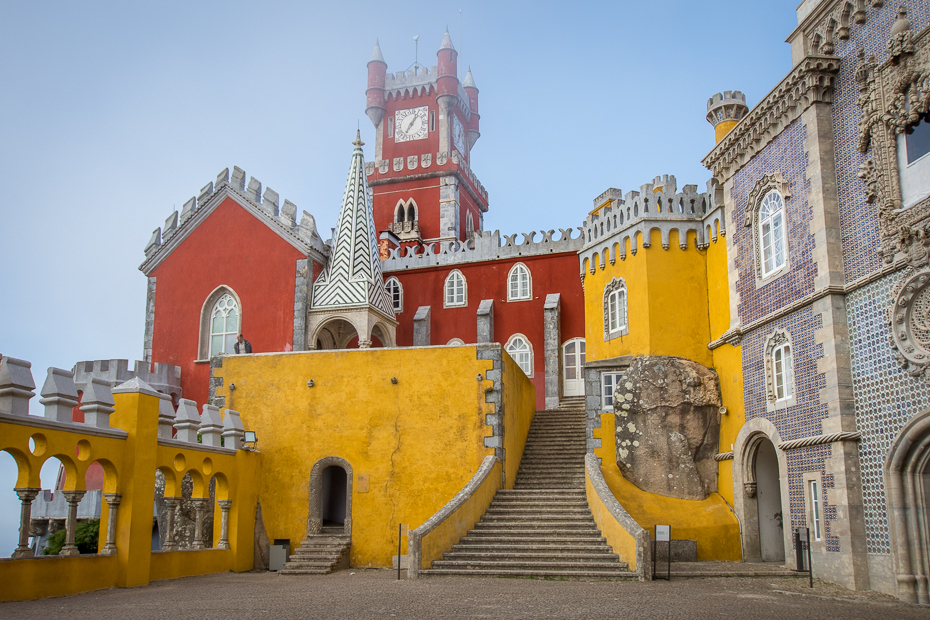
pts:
pixel 114 114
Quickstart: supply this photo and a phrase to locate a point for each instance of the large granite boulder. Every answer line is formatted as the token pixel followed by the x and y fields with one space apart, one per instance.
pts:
pixel 668 424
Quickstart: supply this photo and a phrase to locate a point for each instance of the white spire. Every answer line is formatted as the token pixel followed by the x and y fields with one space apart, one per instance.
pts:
pixel 376 55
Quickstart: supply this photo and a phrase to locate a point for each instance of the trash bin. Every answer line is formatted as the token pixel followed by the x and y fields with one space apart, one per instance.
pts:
pixel 278 552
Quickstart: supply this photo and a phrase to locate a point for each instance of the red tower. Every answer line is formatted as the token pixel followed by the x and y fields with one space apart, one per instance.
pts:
pixel 426 123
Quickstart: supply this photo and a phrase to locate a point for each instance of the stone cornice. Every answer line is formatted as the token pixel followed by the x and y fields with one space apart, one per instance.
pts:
pixel 810 81
pixel 735 334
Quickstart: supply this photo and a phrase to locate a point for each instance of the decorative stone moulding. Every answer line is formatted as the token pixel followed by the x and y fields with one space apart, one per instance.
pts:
pixel 910 322
pixel 834 21
pixel 811 81
pixel 893 96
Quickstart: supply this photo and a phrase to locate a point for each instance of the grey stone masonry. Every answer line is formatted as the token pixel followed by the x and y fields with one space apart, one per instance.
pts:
pixel 302 288
pixel 486 246
pixel 59 395
pixel 421 327
pixel 486 321
pixel 494 352
pixel 16 386
pixel 149 321
pixel 97 403
pixel 552 338
pixel 164 378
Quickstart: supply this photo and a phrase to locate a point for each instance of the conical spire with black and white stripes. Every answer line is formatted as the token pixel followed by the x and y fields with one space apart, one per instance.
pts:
pixel 352 277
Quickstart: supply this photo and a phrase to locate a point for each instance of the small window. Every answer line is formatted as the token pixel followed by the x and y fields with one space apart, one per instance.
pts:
pixel 432 121
pixel 519 285
pixel 608 385
pixel 917 140
pixel 224 326
pixel 469 224
pixel 522 353
pixel 815 510
pixel 456 341
pixel 616 309
pixel 772 233
pixel 455 291
pixel 395 293
pixel 390 127
pixel 783 370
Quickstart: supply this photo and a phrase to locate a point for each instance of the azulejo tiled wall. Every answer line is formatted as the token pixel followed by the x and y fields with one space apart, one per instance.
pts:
pixel 800 420
pixel 886 398
pixel 786 156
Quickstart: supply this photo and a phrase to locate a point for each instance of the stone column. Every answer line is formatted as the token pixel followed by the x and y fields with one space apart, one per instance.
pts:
pixel 73 498
pixel 113 500
pixel 26 495
pixel 171 507
pixel 486 321
pixel 224 523
pixel 421 327
pixel 552 337
pixel 200 505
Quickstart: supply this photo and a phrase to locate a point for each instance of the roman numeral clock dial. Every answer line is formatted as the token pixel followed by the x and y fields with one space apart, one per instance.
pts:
pixel 410 124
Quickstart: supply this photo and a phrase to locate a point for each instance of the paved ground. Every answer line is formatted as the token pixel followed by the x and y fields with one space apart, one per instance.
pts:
pixel 376 594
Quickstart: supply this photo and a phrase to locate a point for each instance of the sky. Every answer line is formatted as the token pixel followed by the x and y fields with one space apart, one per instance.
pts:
pixel 116 113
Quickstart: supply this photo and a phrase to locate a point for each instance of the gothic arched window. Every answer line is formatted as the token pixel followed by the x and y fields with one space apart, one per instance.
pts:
pixel 396 293
pixel 456 292
pixel 521 351
pixel 224 325
pixel 519 283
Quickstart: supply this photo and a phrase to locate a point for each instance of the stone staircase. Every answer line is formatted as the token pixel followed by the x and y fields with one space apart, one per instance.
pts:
pixel 319 555
pixel 543 526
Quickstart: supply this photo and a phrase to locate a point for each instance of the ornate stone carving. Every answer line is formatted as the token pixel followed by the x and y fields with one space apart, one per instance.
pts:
pixel 910 320
pixel 777 339
pixel 893 96
pixel 750 489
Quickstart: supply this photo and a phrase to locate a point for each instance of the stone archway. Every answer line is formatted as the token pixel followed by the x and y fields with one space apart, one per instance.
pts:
pixel 759 497
pixel 316 509
pixel 907 480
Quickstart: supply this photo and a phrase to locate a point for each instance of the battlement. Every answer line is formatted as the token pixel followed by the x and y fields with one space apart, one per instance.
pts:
pixel 267 203
pixel 165 378
pixel 485 246
pixel 727 106
pixel 427 161
pixel 416 80
pixel 620 217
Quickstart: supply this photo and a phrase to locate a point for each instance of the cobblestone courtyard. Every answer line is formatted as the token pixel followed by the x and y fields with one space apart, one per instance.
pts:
pixel 376 594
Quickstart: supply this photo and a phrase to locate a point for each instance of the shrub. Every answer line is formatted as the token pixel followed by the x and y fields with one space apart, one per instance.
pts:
pixel 85 537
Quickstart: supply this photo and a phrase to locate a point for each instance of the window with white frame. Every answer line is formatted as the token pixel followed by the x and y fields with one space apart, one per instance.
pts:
pixel 783 372
pixel 773 240
pixel 815 510
pixel 519 285
pixel 609 382
pixel 521 351
pixel 224 325
pixel 456 341
pixel 615 309
pixel 455 291
pixel 395 293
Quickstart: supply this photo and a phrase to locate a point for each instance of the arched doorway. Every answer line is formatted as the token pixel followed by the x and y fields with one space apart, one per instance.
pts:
pixel 333 497
pixel 768 503
pixel 330 497
pixel 573 359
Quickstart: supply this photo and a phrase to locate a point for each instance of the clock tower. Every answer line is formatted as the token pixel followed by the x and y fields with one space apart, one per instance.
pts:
pixel 426 123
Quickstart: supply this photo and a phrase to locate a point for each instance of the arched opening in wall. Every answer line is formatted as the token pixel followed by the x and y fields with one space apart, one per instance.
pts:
pixel 411 212
pixel 768 502
pixel 399 214
pixel 10 504
pixel 381 336
pixel 99 478
pixel 330 498
pixel 50 509
pixel 907 484
pixel 333 497
pixel 337 333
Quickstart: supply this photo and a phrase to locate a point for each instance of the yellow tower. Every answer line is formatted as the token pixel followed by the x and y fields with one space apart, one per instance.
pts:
pixel 725 110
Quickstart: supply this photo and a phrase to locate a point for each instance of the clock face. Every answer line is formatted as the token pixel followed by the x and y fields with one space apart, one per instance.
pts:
pixel 410 124
pixel 458 134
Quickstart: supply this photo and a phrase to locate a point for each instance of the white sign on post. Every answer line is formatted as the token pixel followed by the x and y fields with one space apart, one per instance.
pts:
pixel 663 533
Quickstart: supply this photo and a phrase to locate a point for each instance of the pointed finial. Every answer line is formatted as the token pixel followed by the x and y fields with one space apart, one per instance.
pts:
pixel 376 55
pixel 358 139
pixel 469 80
pixel 446 41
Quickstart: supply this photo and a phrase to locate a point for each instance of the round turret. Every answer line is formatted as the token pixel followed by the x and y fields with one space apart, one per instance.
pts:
pixel 725 110
pixel 447 82
pixel 471 89
pixel 374 96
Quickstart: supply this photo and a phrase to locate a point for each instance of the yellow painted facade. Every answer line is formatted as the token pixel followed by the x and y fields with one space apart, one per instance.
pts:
pixel 418 441
pixel 129 459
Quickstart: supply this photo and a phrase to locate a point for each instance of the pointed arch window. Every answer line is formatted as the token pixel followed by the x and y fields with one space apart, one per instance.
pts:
pixel 519 283
pixel 456 290
pixel 521 351
pixel 615 309
pixel 224 323
pixel 395 293
pixel 772 236
pixel 779 362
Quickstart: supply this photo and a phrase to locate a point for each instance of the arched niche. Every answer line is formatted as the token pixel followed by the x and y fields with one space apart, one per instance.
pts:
pixel 316 508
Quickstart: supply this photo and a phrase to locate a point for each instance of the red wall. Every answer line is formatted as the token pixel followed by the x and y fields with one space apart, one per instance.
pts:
pixel 551 273
pixel 233 248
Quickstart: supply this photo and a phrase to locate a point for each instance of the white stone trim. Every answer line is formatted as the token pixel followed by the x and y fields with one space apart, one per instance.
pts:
pixel 445 287
pixel 206 311
pixel 529 277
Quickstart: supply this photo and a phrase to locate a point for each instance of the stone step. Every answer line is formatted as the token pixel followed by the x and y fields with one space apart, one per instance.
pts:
pixel 544 532
pixel 510 548
pixel 305 571
pixel 517 492
pixel 547 510
pixel 523 526
pixel 535 515
pixel 527 505
pixel 533 556
pixel 530 565
pixel 534 538
pixel 576 574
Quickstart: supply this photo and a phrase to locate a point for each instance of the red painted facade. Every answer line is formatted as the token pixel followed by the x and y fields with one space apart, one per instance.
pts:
pixel 550 273
pixel 232 248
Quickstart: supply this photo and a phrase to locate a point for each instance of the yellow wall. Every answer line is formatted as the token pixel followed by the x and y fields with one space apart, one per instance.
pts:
pixel 710 521
pixel 419 441
pixel 518 390
pixel 666 303
pixel 23 580
pixel 621 541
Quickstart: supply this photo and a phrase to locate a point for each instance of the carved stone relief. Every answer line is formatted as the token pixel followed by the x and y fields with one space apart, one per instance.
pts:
pixel 909 315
